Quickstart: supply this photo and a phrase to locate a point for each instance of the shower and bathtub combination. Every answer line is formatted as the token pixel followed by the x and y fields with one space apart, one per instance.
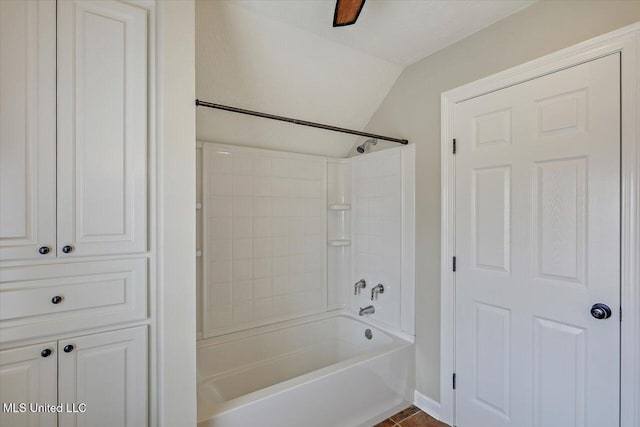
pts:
pixel 305 271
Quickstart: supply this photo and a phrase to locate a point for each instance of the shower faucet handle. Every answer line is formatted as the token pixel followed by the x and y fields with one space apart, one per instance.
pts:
pixel 376 290
pixel 360 284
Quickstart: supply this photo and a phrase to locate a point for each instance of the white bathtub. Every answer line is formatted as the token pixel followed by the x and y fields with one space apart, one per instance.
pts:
pixel 321 372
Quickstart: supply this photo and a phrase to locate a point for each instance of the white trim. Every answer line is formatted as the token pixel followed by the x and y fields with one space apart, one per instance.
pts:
pixel 447 277
pixel 630 292
pixel 427 405
pixel 174 340
pixel 152 212
pixel 244 149
pixel 627 41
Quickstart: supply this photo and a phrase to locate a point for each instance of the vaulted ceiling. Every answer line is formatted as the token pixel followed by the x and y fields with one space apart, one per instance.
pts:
pixel 284 57
pixel 400 31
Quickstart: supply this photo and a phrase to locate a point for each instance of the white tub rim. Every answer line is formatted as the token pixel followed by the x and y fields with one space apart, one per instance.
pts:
pixel 398 342
pixel 285 324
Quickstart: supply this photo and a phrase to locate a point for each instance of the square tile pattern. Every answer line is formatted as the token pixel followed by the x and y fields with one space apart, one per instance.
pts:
pixel 378 228
pixel 411 417
pixel 265 219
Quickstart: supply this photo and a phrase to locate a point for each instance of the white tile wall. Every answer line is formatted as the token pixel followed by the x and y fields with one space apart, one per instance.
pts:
pixel 377 223
pixel 264 255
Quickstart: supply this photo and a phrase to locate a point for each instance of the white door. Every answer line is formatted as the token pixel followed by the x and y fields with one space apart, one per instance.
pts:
pixel 108 373
pixel 537 245
pixel 28 375
pixel 27 129
pixel 102 127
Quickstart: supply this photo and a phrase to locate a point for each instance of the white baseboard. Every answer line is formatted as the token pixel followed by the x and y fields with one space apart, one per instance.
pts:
pixel 428 405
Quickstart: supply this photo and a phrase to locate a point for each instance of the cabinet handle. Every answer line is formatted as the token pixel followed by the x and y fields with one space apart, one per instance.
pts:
pixel 67 249
pixel 43 250
pixel 57 299
pixel 46 352
pixel 68 348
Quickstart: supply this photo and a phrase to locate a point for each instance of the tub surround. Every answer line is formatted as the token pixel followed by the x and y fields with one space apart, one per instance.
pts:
pixel 382 228
pixel 287 338
pixel 264 237
pixel 286 235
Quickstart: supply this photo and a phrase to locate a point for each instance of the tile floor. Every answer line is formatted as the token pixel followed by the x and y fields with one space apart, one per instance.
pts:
pixel 411 417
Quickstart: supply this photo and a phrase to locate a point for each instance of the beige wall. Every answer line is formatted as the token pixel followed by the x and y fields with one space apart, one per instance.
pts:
pixel 412 110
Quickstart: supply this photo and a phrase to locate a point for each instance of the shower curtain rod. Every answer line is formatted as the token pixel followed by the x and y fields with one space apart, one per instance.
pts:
pixel 297 122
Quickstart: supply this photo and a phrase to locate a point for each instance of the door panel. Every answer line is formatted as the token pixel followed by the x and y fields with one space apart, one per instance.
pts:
pixel 559 219
pixel 492 348
pixel 102 127
pixel 29 376
pixel 108 373
pixel 491 216
pixel 27 128
pixel 559 354
pixel 537 244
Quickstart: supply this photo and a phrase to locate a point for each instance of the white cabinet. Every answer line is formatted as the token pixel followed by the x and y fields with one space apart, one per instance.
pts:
pixel 74 123
pixel 107 372
pixel 28 375
pixel 73 152
pixel 27 129
pixel 102 128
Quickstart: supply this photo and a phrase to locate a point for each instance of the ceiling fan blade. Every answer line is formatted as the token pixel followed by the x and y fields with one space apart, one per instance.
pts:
pixel 347 12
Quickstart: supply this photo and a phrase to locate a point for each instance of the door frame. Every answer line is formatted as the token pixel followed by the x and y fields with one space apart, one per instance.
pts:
pixel 626 41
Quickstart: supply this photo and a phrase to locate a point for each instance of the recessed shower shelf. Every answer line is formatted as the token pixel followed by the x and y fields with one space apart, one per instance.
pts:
pixel 340 207
pixel 339 242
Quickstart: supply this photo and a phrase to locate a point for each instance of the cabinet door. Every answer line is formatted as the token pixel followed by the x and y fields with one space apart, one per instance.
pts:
pixel 108 373
pixel 28 375
pixel 27 128
pixel 102 128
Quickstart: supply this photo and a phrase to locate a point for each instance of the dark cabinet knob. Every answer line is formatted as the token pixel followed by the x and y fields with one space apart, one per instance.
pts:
pixel 600 311
pixel 43 250
pixel 57 299
pixel 68 348
pixel 46 352
pixel 67 249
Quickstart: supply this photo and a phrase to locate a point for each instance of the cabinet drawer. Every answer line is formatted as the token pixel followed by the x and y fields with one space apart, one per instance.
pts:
pixel 67 294
pixel 43 300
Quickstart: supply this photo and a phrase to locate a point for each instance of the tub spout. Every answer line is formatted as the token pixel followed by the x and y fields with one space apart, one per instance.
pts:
pixel 367 310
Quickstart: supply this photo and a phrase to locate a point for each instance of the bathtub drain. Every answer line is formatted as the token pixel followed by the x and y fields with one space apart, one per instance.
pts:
pixel 368 334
